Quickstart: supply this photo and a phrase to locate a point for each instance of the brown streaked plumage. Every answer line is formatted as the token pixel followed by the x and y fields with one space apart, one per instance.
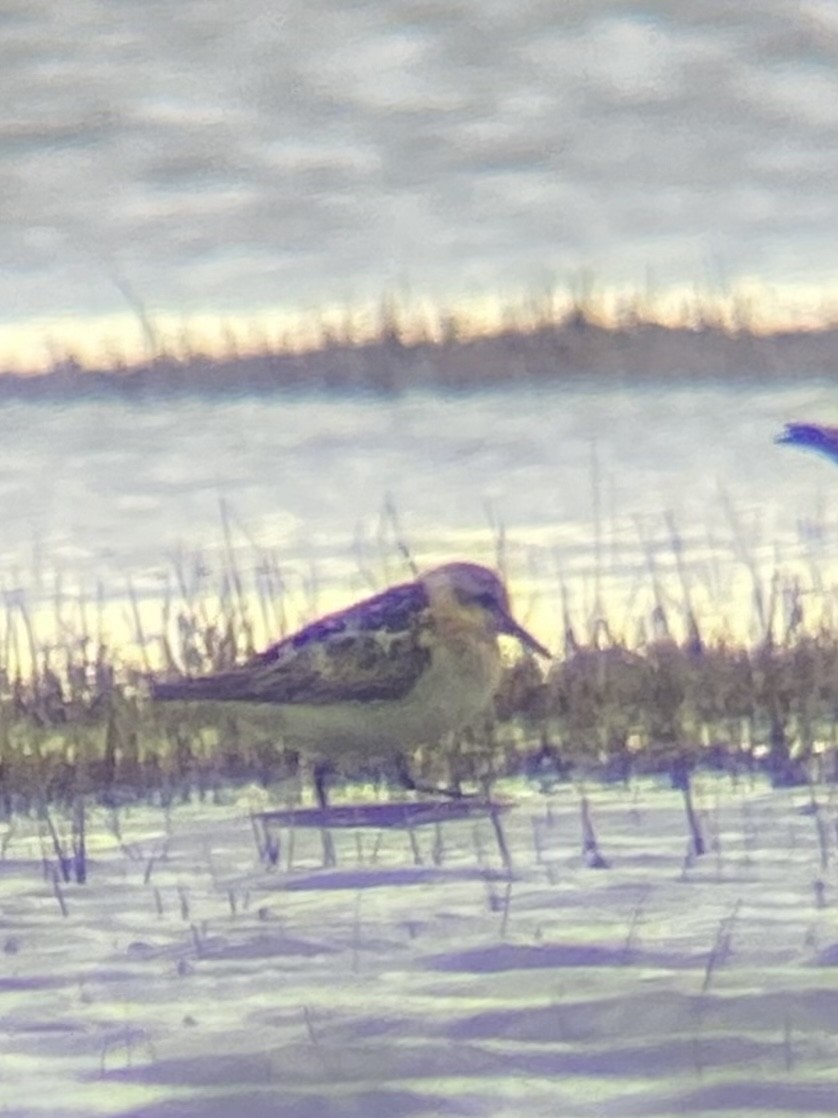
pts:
pixel 396 670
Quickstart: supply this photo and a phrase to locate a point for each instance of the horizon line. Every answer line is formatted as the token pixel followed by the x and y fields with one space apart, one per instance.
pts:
pixel 123 339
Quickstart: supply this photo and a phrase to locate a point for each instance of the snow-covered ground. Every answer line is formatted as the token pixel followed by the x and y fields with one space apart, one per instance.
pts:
pixel 417 978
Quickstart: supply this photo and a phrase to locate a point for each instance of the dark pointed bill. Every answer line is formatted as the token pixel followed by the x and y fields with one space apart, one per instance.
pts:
pixel 511 628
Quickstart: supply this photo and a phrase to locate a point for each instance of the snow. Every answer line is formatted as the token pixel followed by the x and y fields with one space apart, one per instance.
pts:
pixel 417 977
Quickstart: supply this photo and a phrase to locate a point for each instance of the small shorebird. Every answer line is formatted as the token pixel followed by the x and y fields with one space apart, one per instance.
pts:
pixel 811 436
pixel 399 669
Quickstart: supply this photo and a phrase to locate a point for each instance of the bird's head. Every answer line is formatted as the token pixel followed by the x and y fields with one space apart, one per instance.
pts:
pixel 475 587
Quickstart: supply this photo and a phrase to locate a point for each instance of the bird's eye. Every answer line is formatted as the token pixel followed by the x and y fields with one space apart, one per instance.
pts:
pixel 486 600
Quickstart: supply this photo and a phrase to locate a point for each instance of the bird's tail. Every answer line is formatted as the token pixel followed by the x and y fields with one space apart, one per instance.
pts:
pixel 223 687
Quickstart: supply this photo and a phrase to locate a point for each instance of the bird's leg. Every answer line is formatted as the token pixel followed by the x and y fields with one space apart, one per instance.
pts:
pixel 322 771
pixel 403 774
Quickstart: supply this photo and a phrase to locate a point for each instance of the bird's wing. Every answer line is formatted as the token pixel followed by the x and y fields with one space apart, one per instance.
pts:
pixel 376 649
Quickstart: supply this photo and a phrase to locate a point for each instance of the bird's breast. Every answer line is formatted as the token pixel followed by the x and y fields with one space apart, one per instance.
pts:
pixel 462 674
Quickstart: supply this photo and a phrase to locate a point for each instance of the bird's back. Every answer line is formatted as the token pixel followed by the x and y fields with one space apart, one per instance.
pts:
pixel 374 650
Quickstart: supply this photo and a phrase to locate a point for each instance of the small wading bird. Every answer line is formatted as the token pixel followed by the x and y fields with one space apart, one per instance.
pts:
pixel 811 436
pixel 399 669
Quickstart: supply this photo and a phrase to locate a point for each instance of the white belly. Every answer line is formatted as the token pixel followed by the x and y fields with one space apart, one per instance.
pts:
pixel 456 688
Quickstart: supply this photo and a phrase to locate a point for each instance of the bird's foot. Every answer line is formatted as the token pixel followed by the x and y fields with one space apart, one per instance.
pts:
pixel 407 782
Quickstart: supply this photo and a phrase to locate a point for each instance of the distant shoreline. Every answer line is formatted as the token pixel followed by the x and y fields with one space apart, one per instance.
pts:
pixel 576 348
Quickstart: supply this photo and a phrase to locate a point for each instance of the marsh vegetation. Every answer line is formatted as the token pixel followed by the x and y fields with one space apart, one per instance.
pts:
pixel 654 694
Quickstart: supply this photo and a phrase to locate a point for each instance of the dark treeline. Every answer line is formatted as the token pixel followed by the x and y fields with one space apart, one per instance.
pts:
pixel 573 347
